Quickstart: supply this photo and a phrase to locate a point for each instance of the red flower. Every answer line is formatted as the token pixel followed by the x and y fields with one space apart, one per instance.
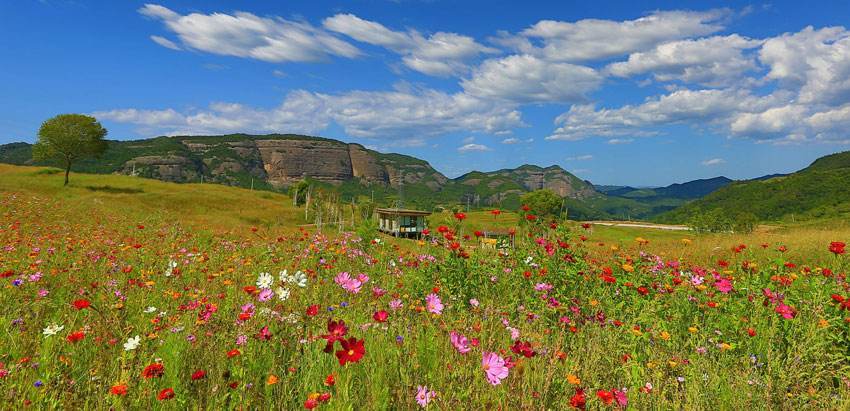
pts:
pixel 233 353
pixel 154 370
pixel 496 212
pixel 605 396
pixel 120 389
pixel 442 229
pixel 77 336
pixel 837 247
pixel 523 348
pixel 330 381
pixel 530 217
pixel 311 403
pixel 82 304
pixel 578 400
pixel 751 332
pixel 199 375
pixel 352 351
pixel 478 233
pixel 336 330
pixel 525 207
pixel 642 290
pixel 313 310
pixel 426 231
pixel 165 394
pixel 381 316
pixel 460 216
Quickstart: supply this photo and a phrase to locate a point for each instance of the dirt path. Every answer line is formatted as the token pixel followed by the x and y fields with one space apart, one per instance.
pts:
pixel 641 225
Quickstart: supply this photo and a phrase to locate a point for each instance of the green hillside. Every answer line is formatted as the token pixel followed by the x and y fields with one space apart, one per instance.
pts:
pixel 818 191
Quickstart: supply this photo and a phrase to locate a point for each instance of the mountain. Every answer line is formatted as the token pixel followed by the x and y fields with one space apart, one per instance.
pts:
pixel 817 191
pixel 278 160
pixel 272 161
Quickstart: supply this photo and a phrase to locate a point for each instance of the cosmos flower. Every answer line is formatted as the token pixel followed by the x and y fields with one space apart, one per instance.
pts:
pixel 494 367
pixel 423 395
pixel 132 343
pixel 264 280
pixel 460 342
pixel 352 351
pixel 52 329
pixel 434 304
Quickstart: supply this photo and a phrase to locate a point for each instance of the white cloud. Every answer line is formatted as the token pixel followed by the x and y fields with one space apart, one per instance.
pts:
pixel 164 42
pixel 713 162
pixel 615 141
pixel 397 115
pixel 528 79
pixel 441 54
pixel 595 39
pixel 712 61
pixel 472 147
pixel 815 62
pixel 510 140
pixel 681 106
pixel 247 35
pixel 584 157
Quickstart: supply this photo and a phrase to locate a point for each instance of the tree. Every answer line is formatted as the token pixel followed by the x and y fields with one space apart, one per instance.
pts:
pixel 543 202
pixel 68 138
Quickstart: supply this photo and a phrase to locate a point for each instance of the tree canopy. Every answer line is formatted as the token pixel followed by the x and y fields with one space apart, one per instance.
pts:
pixel 543 202
pixel 68 138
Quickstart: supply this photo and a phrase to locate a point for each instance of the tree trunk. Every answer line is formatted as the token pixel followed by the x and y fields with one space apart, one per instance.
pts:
pixel 67 171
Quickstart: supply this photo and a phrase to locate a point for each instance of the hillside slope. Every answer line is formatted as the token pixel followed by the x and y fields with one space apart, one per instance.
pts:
pixel 818 191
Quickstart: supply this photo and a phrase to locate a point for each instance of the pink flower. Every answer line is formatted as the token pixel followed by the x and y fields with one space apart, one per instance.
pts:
pixel 494 367
pixel 785 311
pixel 723 285
pixel 396 304
pixel 433 304
pixel 351 285
pixel 265 295
pixel 460 342
pixel 621 397
pixel 423 395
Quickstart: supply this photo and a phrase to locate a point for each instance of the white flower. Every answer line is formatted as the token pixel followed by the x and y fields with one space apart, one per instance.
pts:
pixel 377 241
pixel 283 276
pixel 265 280
pixel 171 266
pixel 52 329
pixel 132 343
pixel 150 309
pixel 529 259
pixel 282 293
pixel 300 279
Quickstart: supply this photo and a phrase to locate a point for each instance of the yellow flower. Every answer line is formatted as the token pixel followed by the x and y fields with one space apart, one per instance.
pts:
pixel 574 380
pixel 692 330
pixel 823 323
pixel 665 335
pixel 628 268
pixel 272 380
pixel 686 241
pixel 594 303
pixel 672 363
pixel 725 346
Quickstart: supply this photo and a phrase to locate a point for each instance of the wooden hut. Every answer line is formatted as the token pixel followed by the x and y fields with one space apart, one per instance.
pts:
pixel 401 222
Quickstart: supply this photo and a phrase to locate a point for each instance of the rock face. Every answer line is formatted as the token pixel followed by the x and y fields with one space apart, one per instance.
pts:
pixel 551 178
pixel 276 160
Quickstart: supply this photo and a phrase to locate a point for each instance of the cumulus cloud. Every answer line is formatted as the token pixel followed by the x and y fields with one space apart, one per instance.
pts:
pixel 815 62
pixel 712 61
pixel 528 79
pixel 440 54
pixel 242 34
pixel 595 39
pixel 680 106
pixel 472 147
pixel 400 114
pixel 713 162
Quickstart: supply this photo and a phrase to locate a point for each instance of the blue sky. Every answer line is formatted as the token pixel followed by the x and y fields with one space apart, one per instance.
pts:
pixel 639 93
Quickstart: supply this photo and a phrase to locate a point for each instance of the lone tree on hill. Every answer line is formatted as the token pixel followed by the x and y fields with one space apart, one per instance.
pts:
pixel 543 202
pixel 68 138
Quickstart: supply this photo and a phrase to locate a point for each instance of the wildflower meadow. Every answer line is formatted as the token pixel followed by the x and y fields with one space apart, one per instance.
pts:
pixel 106 309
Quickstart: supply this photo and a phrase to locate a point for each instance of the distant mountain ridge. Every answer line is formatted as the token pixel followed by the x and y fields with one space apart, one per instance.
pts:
pixel 278 160
pixel 817 191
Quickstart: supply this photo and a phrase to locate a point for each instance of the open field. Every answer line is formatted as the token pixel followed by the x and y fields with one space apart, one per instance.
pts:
pixel 128 293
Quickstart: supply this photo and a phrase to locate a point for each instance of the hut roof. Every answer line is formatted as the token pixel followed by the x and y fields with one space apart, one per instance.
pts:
pixel 402 211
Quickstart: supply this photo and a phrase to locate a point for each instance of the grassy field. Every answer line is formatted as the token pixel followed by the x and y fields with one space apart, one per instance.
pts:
pixel 128 293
